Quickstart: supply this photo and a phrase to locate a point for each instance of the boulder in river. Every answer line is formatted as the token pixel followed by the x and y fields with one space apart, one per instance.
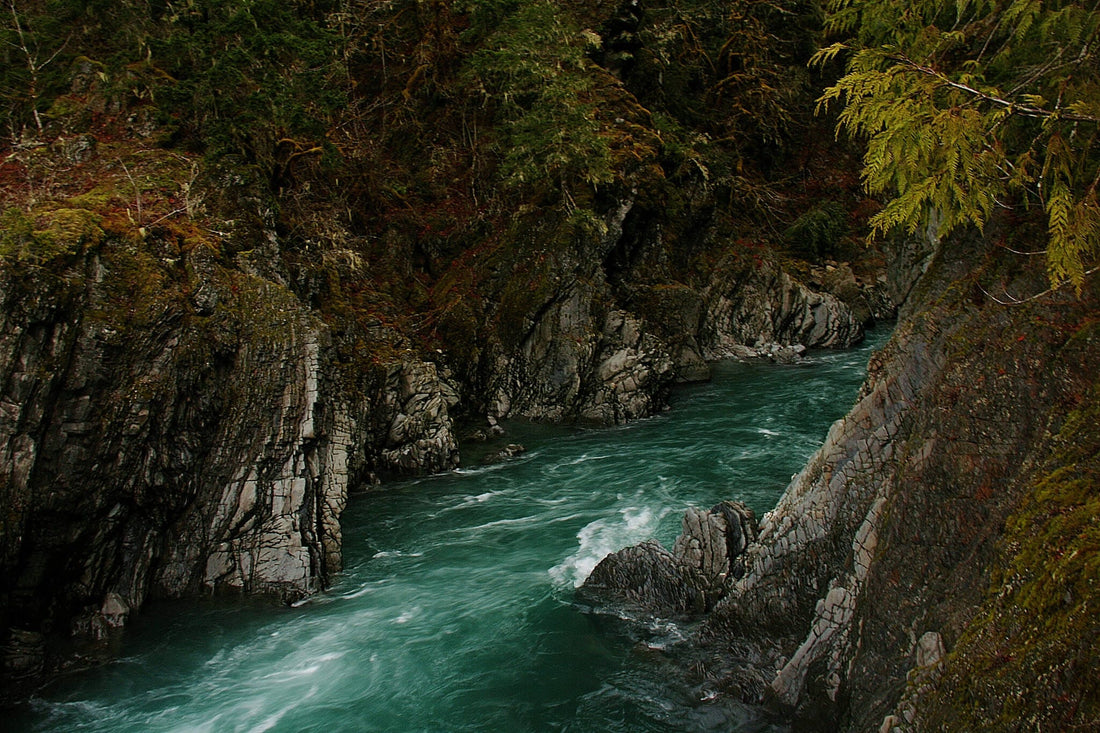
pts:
pixel 691 579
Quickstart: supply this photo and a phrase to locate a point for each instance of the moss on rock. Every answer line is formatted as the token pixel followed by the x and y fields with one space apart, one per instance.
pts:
pixel 1029 658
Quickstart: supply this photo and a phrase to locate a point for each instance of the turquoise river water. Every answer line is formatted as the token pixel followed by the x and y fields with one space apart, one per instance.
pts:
pixel 455 610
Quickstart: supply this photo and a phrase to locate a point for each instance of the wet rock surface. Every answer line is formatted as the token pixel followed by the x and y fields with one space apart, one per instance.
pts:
pixel 704 561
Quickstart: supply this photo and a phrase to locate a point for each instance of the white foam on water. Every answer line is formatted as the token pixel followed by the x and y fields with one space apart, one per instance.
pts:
pixel 273 720
pixel 475 500
pixel 407 616
pixel 475 470
pixel 586 458
pixel 395 553
pixel 603 536
pixel 313 666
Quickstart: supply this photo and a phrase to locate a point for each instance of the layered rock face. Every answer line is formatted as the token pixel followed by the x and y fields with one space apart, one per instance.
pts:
pixel 190 452
pixel 159 442
pixel 766 308
pixel 582 361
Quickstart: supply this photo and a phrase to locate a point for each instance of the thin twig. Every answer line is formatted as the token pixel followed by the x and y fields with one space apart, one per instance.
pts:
pixel 181 210
pixel 1021 252
pixel 137 191
pixel 1013 300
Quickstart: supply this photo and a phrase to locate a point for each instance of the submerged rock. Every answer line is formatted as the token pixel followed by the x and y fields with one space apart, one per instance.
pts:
pixel 509 451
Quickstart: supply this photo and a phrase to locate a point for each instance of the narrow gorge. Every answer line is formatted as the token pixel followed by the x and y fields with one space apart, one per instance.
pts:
pixel 264 264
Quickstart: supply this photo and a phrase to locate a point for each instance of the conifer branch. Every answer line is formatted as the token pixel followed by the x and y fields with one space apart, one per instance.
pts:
pixel 1025 110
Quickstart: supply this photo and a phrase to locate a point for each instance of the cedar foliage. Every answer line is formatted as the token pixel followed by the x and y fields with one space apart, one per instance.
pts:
pixel 533 72
pixel 969 106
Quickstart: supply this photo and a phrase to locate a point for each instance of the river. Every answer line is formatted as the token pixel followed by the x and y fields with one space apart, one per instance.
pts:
pixel 455 612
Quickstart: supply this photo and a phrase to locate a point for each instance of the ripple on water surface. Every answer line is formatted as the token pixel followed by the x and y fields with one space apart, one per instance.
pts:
pixel 454 612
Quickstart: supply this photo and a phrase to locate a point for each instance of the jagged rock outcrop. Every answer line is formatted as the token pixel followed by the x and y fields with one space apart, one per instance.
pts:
pixel 757 304
pixel 420 435
pixel 150 460
pixel 704 561
pixel 609 324
pixel 745 308
pixel 581 360
pixel 869 301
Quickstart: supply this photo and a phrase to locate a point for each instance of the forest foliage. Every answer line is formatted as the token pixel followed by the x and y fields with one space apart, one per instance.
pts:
pixel 450 116
pixel 972 106
pixel 444 117
pixel 242 75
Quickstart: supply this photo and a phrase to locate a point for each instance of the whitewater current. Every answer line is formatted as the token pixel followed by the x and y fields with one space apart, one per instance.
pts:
pixel 455 611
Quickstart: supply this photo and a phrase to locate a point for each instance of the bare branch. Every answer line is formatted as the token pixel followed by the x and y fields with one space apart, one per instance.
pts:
pixel 1013 300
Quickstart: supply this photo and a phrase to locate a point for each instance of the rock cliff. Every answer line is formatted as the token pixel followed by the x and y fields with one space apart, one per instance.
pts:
pixel 168 429
pixel 885 587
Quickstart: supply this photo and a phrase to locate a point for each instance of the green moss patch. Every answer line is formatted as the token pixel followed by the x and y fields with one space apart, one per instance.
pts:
pixel 1029 660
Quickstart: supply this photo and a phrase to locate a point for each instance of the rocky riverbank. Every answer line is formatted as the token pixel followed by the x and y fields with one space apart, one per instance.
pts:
pixel 886 588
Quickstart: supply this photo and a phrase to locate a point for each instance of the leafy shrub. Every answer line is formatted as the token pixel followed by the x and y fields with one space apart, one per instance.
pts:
pixel 534 73
pixel 818 232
